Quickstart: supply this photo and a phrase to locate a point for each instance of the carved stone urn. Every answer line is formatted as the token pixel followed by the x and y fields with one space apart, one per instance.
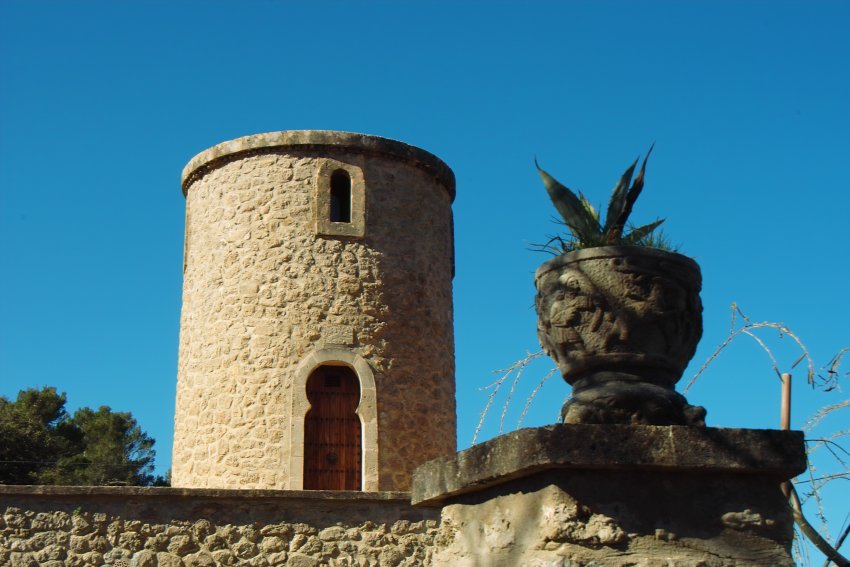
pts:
pixel 621 323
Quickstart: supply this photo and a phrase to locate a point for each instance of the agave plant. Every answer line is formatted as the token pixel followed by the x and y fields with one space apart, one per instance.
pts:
pixel 587 230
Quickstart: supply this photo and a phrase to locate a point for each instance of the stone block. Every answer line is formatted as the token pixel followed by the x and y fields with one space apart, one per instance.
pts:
pixel 615 495
pixel 693 450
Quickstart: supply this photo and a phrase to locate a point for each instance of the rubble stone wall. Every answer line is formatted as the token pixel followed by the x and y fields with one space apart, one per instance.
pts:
pixel 150 527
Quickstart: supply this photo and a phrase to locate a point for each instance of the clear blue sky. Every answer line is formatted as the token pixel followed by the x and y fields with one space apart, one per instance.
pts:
pixel 103 103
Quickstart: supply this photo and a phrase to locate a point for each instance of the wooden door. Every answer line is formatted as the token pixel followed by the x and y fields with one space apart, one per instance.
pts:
pixel 332 447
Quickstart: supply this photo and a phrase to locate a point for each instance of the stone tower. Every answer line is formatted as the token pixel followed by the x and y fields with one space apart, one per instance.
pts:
pixel 316 343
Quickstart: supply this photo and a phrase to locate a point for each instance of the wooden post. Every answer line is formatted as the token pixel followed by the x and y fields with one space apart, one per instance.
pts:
pixel 785 410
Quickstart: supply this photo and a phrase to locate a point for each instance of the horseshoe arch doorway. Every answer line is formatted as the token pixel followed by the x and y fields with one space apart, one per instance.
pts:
pixel 332 431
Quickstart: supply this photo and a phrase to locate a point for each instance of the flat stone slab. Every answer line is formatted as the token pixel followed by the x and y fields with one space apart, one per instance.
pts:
pixel 221 506
pixel 171 493
pixel 765 452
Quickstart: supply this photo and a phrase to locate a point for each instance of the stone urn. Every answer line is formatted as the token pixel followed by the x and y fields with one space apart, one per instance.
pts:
pixel 621 323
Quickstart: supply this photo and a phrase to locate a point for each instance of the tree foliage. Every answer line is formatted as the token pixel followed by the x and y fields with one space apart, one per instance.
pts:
pixel 40 443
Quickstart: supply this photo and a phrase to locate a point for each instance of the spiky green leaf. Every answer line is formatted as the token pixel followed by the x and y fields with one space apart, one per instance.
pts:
pixel 633 193
pixel 638 234
pixel 591 210
pixel 577 218
pixel 583 220
pixel 618 201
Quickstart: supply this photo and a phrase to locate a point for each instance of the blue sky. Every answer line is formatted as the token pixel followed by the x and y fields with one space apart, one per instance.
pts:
pixel 103 103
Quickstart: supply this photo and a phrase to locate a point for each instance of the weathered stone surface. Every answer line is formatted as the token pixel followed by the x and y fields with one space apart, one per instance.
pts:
pixel 588 519
pixel 165 559
pixel 614 496
pixel 613 447
pixel 144 558
pixel 620 307
pixel 200 559
pixel 150 527
pixel 333 533
pixel 263 291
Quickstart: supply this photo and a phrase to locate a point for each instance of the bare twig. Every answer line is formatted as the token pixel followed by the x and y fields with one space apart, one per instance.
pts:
pixel 518 367
pixel 533 395
pixel 840 540
pixel 507 403
pixel 765 348
pixel 747 329
pixel 816 443
pixel 842 475
pixel 811 533
pixel 830 381
pixel 823 412
pixel 492 396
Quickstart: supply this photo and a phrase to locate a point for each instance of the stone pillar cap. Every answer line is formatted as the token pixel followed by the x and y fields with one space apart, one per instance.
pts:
pixel 669 449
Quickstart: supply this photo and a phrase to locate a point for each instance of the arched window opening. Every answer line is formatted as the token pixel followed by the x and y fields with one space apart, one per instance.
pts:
pixel 340 196
pixel 332 436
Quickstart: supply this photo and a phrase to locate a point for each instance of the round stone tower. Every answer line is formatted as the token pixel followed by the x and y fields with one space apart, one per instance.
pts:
pixel 316 345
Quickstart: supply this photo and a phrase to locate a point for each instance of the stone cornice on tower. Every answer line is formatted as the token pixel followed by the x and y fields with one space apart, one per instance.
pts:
pixel 311 140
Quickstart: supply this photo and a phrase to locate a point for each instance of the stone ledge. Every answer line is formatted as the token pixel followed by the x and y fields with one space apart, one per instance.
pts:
pixel 211 493
pixel 306 139
pixel 671 449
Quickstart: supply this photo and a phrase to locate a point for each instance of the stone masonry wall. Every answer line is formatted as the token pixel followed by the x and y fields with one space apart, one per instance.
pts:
pixel 262 291
pixel 150 527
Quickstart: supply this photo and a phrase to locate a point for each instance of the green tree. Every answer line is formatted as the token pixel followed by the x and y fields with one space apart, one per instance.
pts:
pixel 114 451
pixel 42 444
pixel 34 433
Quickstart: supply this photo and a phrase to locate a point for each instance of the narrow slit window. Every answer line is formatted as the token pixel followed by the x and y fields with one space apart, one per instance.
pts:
pixel 340 196
pixel 339 200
